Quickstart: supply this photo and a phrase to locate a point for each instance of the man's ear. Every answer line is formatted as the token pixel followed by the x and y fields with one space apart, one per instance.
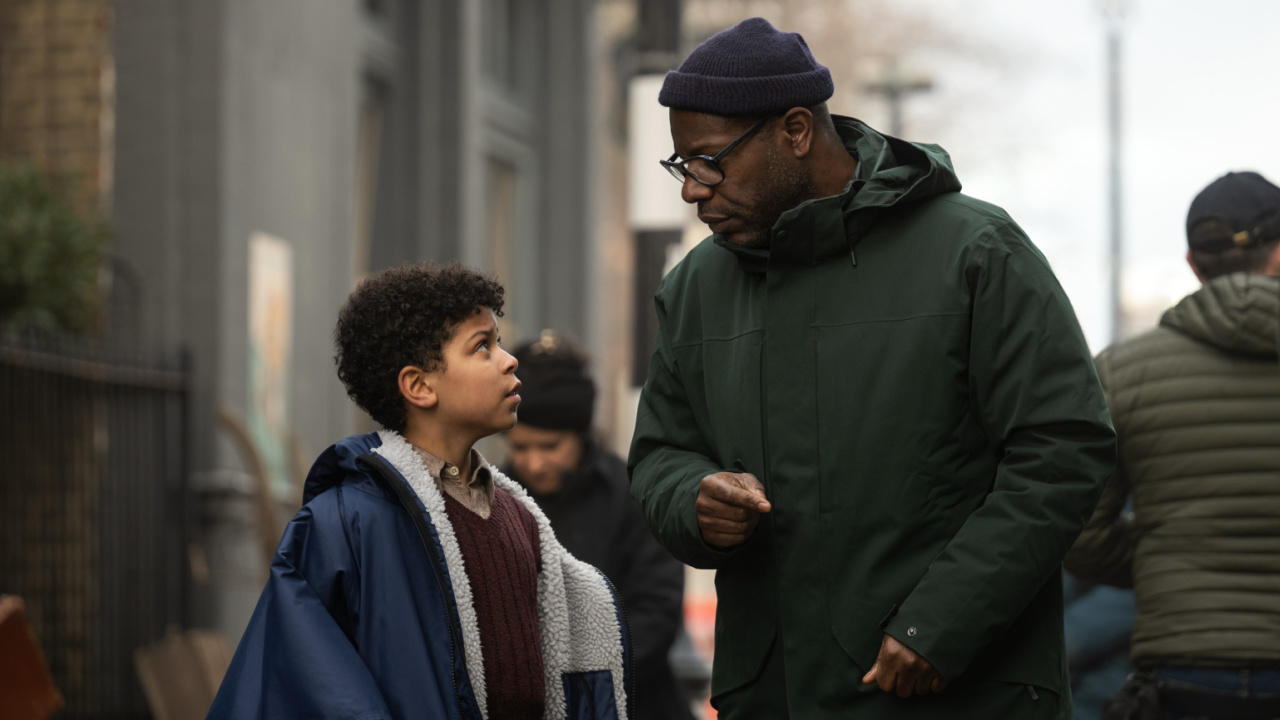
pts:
pixel 1194 269
pixel 417 386
pixel 1273 264
pixel 798 124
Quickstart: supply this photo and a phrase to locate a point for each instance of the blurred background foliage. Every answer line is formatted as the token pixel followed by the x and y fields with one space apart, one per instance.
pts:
pixel 50 255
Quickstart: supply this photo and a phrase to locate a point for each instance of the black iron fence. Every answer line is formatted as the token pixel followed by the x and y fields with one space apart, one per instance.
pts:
pixel 93 512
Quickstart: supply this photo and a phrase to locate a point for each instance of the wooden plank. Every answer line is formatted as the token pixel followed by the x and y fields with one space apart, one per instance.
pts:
pixel 180 675
pixel 27 691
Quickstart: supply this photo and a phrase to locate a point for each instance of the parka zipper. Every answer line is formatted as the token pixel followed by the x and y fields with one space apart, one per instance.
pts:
pixel 591 701
pixel 768 519
pixel 627 677
pixel 437 565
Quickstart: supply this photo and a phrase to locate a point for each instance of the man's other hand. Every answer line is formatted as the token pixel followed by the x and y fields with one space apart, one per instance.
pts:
pixel 729 507
pixel 900 670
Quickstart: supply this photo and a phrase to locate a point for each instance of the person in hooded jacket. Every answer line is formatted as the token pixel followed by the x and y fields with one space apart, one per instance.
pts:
pixel 583 490
pixel 418 582
pixel 869 407
pixel 1196 405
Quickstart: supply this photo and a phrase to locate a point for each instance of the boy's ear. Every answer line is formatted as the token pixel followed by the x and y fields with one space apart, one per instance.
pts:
pixel 417 386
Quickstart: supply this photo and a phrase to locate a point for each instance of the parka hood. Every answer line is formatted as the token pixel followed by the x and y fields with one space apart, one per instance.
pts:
pixel 1239 313
pixel 335 463
pixel 891 175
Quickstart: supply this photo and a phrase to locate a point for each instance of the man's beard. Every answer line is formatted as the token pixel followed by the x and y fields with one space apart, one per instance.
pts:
pixel 785 186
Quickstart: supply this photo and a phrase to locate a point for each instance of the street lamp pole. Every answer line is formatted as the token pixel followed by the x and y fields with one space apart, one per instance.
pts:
pixel 895 88
pixel 657 215
pixel 1114 11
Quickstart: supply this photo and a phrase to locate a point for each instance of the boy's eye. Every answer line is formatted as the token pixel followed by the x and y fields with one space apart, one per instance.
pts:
pixel 484 345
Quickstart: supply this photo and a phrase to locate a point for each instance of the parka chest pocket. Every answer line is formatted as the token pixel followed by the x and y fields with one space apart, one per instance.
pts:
pixel 589 695
pixel 722 382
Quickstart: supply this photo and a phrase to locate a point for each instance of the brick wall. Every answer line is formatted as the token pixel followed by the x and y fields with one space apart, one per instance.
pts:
pixel 56 91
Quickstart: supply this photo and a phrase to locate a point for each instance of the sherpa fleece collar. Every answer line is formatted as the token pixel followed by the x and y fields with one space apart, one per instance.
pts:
pixel 577 611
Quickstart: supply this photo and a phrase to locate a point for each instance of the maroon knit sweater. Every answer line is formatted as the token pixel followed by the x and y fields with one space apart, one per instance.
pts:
pixel 502 559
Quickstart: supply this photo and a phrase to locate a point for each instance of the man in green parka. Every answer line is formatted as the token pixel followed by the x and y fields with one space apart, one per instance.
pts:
pixel 869 408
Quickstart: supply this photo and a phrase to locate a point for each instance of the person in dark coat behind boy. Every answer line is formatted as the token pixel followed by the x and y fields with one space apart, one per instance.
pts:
pixel 584 492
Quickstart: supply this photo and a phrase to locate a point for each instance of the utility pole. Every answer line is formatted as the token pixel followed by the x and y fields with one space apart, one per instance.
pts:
pixel 658 36
pixel 1113 12
pixel 895 88
pixel 656 213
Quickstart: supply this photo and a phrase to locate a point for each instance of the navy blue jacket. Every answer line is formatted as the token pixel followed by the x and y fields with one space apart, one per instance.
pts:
pixel 362 618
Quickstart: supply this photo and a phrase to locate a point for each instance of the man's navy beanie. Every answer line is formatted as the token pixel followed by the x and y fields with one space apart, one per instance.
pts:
pixel 749 69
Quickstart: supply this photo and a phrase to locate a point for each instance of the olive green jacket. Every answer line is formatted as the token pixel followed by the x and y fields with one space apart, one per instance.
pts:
pixel 1196 404
pixel 905 375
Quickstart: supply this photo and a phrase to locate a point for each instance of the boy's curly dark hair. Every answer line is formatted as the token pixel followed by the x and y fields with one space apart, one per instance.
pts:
pixel 399 317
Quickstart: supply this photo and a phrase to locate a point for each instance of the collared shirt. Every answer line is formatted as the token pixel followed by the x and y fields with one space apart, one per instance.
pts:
pixel 476 494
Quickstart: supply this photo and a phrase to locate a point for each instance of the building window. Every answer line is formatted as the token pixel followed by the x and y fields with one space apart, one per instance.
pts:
pixel 504 34
pixel 369 154
pixel 501 185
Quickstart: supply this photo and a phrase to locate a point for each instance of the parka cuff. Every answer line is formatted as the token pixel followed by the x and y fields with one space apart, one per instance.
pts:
pixel 698 553
pixel 926 640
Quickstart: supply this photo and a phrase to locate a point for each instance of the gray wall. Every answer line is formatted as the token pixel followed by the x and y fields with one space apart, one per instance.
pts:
pixel 236 116
pixel 571 154
pixel 291 92
pixel 167 191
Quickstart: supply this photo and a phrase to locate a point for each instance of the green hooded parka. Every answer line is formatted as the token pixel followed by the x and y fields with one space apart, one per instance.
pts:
pixel 906 377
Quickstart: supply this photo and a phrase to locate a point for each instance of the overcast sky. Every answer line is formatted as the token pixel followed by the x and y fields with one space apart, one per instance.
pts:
pixel 1020 104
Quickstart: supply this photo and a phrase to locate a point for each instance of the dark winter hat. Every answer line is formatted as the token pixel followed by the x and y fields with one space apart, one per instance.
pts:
pixel 749 69
pixel 555 392
pixel 1236 210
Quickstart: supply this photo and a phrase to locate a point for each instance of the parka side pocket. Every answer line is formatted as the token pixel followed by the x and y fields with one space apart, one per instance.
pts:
pixel 589 695
pixel 855 629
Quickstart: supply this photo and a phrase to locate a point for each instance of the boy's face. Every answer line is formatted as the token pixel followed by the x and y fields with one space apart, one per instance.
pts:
pixel 477 388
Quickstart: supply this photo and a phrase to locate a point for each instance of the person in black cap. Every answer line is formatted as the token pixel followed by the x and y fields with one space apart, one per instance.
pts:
pixel 869 407
pixel 582 489
pixel 1234 226
pixel 1196 405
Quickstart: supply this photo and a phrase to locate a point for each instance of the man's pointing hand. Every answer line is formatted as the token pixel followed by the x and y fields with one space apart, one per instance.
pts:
pixel 729 507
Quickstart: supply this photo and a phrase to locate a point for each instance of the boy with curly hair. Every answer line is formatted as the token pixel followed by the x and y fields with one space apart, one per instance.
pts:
pixel 417 581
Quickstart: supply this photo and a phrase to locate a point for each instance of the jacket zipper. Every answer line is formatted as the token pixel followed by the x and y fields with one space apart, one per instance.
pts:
pixel 591 701
pixel 437 565
pixel 628 678
pixel 764 453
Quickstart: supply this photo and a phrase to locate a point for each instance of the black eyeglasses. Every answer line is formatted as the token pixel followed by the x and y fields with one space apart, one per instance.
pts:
pixel 704 168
